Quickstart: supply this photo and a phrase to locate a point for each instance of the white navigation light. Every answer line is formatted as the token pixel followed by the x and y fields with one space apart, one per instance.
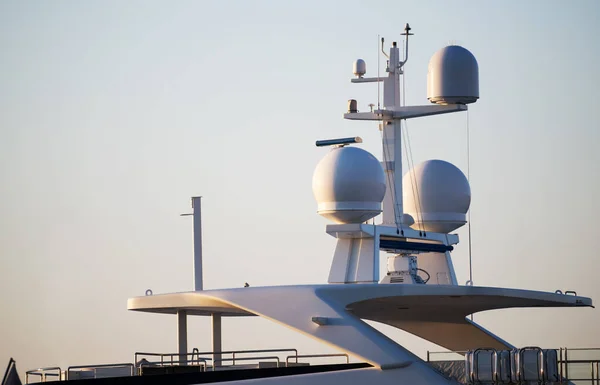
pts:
pixel 349 185
pixel 437 195
pixel 453 76
pixel 359 68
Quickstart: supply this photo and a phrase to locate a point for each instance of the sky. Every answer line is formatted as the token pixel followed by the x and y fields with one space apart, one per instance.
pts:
pixel 113 114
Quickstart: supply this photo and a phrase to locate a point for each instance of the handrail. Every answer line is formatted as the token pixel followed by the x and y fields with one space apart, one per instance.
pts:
pixel 200 362
pixel 475 368
pixel 564 360
pixel 233 353
pixel 250 359
pixel 583 349
pixel 197 353
pixel 121 365
pixel 287 359
pixel 171 355
pixel 429 354
pixel 42 373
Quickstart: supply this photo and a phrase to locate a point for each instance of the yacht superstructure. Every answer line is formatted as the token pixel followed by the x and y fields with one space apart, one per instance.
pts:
pixel 419 293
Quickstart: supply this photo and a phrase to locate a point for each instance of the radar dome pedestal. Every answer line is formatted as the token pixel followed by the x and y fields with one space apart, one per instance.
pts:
pixel 453 76
pixel 437 195
pixel 349 185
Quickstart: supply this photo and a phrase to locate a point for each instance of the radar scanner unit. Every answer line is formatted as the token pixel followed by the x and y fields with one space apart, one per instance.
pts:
pixel 437 195
pixel 453 76
pixel 349 185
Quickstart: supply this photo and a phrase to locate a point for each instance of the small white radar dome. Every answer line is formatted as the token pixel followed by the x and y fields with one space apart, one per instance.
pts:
pixel 437 195
pixel 453 76
pixel 359 68
pixel 348 185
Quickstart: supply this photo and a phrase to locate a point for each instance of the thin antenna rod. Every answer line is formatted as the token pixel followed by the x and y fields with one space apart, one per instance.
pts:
pixel 378 66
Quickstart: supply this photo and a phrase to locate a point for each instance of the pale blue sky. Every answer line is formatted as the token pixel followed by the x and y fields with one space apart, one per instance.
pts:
pixel 112 114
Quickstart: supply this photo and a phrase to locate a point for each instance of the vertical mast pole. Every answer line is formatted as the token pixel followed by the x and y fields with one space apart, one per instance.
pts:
pixel 392 146
pixel 196 205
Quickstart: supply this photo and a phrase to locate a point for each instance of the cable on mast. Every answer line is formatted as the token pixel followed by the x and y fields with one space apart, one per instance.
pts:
pixel 408 147
pixel 470 282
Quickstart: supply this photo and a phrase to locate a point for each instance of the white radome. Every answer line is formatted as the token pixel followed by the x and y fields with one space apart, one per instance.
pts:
pixel 437 195
pixel 453 76
pixel 359 68
pixel 349 185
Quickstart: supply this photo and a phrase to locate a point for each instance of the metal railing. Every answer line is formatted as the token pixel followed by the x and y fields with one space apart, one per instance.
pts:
pixel 576 363
pixel 287 359
pixel 100 366
pixel 43 373
pixel 221 360
pixel 457 352
pixel 233 353
pixel 580 366
pixel 196 358
pixel 177 358
pixel 174 358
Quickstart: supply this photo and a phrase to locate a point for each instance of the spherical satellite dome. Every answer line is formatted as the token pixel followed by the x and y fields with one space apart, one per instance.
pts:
pixel 349 185
pixel 437 195
pixel 453 76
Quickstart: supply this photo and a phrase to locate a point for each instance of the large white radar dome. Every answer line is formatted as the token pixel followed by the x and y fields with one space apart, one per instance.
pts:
pixel 349 185
pixel 453 76
pixel 437 195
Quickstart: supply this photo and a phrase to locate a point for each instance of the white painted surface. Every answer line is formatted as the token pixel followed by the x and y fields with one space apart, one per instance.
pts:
pixel 348 185
pixel 436 312
pixel 357 254
pixel 359 68
pixel 437 195
pixel 453 76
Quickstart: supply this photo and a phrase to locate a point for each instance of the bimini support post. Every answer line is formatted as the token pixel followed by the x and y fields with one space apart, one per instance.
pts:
pixel 182 336
pixel 217 348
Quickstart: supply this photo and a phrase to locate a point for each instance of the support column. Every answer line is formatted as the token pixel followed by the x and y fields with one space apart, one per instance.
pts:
pixel 216 339
pixel 182 336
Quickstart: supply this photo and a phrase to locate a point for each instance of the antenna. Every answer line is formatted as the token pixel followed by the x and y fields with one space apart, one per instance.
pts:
pixel 378 69
pixel 406 34
pixel 338 142
pixel 383 49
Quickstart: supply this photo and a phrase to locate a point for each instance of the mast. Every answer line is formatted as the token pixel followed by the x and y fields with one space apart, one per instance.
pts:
pixel 391 128
pixel 392 141
pixel 452 83
pixel 197 207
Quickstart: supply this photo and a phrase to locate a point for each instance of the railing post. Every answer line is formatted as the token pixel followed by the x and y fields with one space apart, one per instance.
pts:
pixel 566 365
